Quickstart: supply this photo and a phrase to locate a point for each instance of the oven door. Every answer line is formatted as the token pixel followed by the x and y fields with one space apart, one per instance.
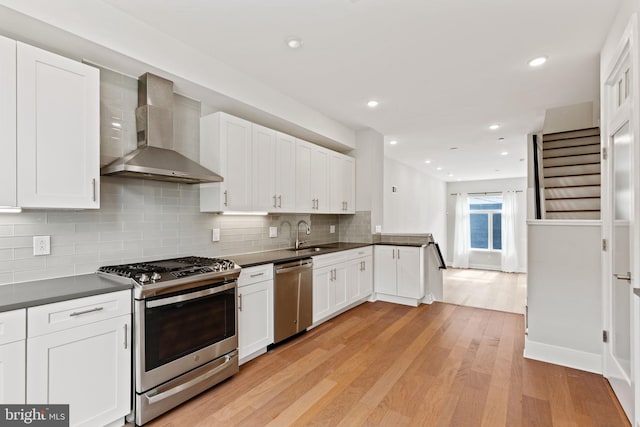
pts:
pixel 178 332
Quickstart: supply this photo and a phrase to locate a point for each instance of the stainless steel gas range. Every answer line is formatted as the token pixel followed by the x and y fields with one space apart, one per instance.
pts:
pixel 185 329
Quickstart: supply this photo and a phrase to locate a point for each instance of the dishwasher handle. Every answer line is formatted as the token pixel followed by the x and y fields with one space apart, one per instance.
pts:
pixel 291 266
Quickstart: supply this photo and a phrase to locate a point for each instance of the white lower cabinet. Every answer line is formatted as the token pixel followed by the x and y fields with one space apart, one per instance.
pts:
pixel 340 280
pixel 399 274
pixel 255 311
pixel 79 353
pixel 12 356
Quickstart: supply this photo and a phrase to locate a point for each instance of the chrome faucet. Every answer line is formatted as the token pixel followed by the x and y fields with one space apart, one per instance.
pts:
pixel 308 231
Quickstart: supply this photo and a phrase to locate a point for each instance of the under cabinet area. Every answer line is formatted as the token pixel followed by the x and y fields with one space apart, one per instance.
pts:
pixel 341 280
pixel 399 274
pixel 79 353
pixel 13 330
pixel 268 171
pixel 255 311
pixel 38 128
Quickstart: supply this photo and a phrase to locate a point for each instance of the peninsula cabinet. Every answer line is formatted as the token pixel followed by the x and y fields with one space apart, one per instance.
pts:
pixel 79 353
pixel 13 329
pixel 50 114
pixel 399 274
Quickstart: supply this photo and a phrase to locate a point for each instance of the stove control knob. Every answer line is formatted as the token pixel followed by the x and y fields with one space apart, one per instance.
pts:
pixel 155 276
pixel 143 278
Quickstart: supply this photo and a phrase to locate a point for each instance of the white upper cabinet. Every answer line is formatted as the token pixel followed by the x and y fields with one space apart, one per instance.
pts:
pixel 285 171
pixel 264 168
pixel 225 148
pixel 8 122
pixel 312 178
pixel 342 183
pixel 58 131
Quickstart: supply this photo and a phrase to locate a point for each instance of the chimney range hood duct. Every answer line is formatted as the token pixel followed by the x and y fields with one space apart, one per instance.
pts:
pixel 155 158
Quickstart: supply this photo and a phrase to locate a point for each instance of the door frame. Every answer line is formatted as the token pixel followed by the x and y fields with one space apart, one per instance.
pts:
pixel 625 53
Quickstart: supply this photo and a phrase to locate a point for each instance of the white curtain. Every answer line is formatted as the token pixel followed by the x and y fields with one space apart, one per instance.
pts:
pixel 509 215
pixel 462 233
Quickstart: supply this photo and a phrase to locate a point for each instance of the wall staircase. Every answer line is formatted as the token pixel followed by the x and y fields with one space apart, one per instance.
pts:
pixel 571 174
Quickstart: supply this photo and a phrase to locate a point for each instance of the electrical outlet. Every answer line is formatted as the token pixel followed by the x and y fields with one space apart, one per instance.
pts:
pixel 215 235
pixel 332 229
pixel 273 231
pixel 378 229
pixel 41 245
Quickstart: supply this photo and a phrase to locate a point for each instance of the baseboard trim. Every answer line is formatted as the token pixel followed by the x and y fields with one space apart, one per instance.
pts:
pixel 413 302
pixel 563 356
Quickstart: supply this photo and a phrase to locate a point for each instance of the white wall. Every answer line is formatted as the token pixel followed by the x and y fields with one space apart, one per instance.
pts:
pixel 564 294
pixel 483 259
pixel 369 155
pixel 571 117
pixel 418 205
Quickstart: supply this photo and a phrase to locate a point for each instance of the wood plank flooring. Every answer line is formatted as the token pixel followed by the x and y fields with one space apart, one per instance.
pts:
pixel 383 364
pixel 494 290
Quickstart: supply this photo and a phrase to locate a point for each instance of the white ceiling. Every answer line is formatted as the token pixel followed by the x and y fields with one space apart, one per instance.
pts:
pixel 442 70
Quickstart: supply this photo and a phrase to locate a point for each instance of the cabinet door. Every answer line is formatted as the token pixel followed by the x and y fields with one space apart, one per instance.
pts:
pixel 320 179
pixel 88 367
pixel 305 202
pixel 385 269
pixel 409 272
pixel 349 184
pixel 354 268
pixel 12 373
pixel 235 144
pixel 58 131
pixel 255 317
pixel 340 287
pixel 264 169
pixel 322 293
pixel 285 171
pixel 8 122
pixel 365 282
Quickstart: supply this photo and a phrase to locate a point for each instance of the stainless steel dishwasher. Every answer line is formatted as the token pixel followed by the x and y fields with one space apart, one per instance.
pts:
pixel 293 298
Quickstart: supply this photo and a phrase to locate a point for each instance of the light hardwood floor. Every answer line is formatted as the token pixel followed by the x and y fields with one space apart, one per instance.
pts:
pixel 485 289
pixel 383 364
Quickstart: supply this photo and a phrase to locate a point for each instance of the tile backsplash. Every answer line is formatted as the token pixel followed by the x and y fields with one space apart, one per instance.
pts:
pixel 144 220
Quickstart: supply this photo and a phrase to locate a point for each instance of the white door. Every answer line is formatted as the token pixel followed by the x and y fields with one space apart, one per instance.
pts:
pixel 236 139
pixel 385 269
pixel 320 179
pixel 12 373
pixel 620 306
pixel 255 317
pixel 264 169
pixel 58 131
pixel 409 273
pixel 322 292
pixel 8 122
pixel 286 172
pixel 305 202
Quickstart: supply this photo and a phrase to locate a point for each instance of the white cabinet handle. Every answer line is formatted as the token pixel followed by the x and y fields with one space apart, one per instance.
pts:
pixel 80 313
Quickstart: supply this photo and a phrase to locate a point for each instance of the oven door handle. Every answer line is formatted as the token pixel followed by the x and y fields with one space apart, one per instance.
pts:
pixel 190 295
pixel 186 385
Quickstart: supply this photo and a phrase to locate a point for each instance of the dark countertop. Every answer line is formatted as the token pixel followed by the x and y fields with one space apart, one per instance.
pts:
pixel 284 255
pixel 415 245
pixel 31 294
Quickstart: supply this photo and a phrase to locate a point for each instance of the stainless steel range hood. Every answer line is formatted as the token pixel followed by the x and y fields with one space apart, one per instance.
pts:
pixel 155 157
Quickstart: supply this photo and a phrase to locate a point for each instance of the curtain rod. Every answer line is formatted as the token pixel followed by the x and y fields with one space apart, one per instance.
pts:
pixel 485 193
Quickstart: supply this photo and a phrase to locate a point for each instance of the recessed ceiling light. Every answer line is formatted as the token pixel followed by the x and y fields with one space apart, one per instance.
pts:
pixel 372 104
pixel 536 62
pixel 294 42
pixel 427 161
pixel 393 142
pixel 494 126
pixel 504 153
pixel 438 168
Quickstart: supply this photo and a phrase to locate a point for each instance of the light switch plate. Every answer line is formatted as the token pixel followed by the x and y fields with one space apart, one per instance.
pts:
pixel 41 245
pixel 273 231
pixel 215 235
pixel 332 229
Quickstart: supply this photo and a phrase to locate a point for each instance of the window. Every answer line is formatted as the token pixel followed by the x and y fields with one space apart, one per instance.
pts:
pixel 486 222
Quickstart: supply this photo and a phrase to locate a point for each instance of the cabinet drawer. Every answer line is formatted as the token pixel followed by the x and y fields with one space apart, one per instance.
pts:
pixel 58 316
pixel 13 326
pixel 255 274
pixel 341 256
